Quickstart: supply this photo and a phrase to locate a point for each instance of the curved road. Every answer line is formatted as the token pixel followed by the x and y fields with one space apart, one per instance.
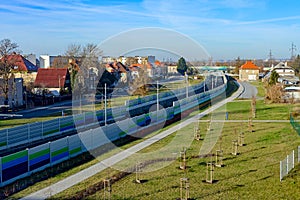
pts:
pixel 249 90
pixel 88 172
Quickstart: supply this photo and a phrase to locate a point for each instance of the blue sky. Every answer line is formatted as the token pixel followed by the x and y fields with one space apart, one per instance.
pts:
pixel 225 28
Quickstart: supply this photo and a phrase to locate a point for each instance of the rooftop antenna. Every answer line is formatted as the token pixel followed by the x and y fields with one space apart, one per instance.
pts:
pixel 293 49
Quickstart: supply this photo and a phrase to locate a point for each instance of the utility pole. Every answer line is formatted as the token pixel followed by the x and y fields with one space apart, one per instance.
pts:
pixel 105 104
pixel 187 84
pixel 293 49
pixel 270 58
pixel 157 97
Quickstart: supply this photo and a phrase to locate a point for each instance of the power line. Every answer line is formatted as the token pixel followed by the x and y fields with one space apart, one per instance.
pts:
pixel 270 58
pixel 293 49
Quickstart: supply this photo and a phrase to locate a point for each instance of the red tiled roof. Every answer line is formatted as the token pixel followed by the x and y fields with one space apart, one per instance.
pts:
pixel 157 63
pixel 21 63
pixel 51 78
pixel 121 67
pixel 137 65
pixel 249 65
pixel 116 66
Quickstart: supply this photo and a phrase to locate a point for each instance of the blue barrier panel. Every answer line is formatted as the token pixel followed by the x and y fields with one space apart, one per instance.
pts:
pixel 112 132
pixel 140 120
pixel 109 114
pixel 36 130
pixel 100 115
pixel 86 139
pixel 50 127
pixel 59 150
pixel 14 165
pixel 124 127
pixel 17 134
pixel 118 112
pixel 89 117
pixel 3 137
pixel 39 156
pixel 170 113
pixel 74 145
pixel 66 123
pixel 132 127
pixel 79 120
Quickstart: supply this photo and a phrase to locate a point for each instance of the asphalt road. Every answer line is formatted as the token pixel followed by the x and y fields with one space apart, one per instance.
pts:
pixel 45 111
pixel 249 91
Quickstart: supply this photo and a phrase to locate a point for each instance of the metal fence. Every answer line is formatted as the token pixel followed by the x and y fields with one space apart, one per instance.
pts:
pixel 28 133
pixel 24 163
pixel 287 164
pixel 295 124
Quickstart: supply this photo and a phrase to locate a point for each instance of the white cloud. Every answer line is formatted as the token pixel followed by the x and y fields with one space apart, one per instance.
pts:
pixel 271 20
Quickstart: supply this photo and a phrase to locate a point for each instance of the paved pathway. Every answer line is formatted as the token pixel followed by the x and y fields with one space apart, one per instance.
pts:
pixel 249 91
pixel 256 121
pixel 86 173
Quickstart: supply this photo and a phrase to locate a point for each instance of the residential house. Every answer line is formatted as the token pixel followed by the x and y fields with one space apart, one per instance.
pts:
pixel 135 70
pixel 286 74
pixel 108 59
pixel 23 68
pixel 119 70
pixel 122 59
pixel 249 72
pixel 47 61
pixel 23 73
pixel 32 58
pixel 53 79
pixel 151 59
pixel 15 92
pixel 172 69
pixel 161 69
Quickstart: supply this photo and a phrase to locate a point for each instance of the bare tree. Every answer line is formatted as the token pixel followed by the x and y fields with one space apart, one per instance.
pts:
pixel 73 51
pixel 7 48
pixel 60 62
pixel 83 59
pixel 138 86
pixel 274 93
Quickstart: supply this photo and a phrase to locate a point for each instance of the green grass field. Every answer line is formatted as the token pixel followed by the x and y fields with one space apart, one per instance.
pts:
pixel 253 174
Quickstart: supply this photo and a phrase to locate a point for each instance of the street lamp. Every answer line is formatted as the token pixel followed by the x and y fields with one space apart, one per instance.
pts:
pixel 59 78
pixel 157 96
pixel 187 84
pixel 105 105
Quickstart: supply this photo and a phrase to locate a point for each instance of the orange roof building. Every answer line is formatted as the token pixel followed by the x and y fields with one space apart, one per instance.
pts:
pixel 249 72
pixel 249 65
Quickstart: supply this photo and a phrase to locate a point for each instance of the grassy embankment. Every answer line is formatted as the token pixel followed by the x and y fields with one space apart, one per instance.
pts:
pixel 254 174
